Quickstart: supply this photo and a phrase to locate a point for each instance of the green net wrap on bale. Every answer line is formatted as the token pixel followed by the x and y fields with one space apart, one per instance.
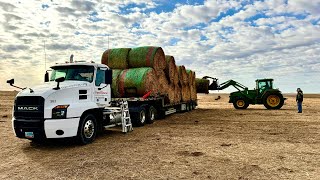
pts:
pixel 202 85
pixel 171 70
pixel 148 56
pixel 115 83
pixel 136 82
pixel 116 58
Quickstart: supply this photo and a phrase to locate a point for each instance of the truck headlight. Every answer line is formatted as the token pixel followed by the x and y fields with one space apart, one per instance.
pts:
pixel 60 112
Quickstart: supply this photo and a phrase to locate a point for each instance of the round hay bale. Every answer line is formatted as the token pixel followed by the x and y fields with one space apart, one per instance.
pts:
pixel 190 76
pixel 171 93
pixel 183 76
pixel 185 92
pixel 193 92
pixel 116 58
pixel 176 77
pixel 162 82
pixel 170 69
pixel 115 83
pixel 177 90
pixel 194 79
pixel 202 85
pixel 137 82
pixel 147 56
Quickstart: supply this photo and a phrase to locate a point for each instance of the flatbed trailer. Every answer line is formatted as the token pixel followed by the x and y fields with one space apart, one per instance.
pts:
pixel 147 110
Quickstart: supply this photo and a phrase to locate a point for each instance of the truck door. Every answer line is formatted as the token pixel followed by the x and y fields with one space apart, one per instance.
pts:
pixel 102 92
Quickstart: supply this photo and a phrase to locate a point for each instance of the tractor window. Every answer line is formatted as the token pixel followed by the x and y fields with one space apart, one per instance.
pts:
pixel 264 85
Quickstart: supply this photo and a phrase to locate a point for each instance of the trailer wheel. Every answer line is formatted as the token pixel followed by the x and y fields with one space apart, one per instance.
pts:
pixel 152 114
pixel 193 106
pixel 187 107
pixel 190 107
pixel 87 129
pixel 139 118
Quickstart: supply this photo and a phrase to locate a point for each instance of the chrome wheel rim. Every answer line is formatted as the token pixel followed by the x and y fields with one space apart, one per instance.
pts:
pixel 142 117
pixel 152 115
pixel 88 129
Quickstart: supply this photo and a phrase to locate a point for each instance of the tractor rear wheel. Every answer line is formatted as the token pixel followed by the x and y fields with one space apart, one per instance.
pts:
pixel 273 100
pixel 240 103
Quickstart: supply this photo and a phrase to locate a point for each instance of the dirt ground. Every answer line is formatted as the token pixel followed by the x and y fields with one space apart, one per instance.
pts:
pixel 214 141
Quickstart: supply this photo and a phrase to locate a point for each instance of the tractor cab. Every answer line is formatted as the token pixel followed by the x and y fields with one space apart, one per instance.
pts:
pixel 263 85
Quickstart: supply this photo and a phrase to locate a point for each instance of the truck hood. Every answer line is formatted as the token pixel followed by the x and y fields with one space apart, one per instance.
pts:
pixel 46 89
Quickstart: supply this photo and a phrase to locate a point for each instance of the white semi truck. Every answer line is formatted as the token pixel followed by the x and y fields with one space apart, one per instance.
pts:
pixel 76 102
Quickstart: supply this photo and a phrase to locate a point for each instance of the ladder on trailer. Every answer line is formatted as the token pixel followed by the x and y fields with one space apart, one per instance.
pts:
pixel 126 120
pixel 121 108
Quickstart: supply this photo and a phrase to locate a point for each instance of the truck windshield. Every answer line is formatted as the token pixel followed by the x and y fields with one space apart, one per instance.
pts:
pixel 77 73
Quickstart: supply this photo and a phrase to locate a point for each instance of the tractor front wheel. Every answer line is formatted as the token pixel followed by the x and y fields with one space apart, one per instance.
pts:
pixel 273 101
pixel 240 103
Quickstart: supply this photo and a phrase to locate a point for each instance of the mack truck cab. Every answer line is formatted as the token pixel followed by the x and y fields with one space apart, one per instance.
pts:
pixel 74 102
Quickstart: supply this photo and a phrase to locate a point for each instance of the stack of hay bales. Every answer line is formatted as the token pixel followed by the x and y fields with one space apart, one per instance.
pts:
pixel 141 70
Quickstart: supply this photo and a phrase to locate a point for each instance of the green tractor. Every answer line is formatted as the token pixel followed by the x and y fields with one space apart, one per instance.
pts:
pixel 264 93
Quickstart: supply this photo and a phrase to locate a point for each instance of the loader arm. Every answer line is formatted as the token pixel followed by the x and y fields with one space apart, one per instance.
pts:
pixel 215 86
pixel 233 83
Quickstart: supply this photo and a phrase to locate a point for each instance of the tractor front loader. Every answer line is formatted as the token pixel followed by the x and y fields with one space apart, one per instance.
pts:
pixel 264 93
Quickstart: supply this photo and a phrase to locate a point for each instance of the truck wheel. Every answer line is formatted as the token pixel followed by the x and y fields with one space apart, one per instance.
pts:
pixel 192 106
pixel 139 118
pixel 273 100
pixel 152 114
pixel 240 103
pixel 87 130
pixel 188 107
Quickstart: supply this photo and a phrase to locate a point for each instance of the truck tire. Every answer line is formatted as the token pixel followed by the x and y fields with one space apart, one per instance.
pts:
pixel 151 115
pixel 240 103
pixel 87 130
pixel 193 106
pixel 273 100
pixel 188 107
pixel 139 117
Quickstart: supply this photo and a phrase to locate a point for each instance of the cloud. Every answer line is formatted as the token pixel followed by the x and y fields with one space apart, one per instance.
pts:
pixel 7 6
pixel 241 40
pixel 57 46
pixel 13 48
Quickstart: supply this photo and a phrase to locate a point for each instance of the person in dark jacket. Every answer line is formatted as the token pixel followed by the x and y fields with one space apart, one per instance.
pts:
pixel 299 99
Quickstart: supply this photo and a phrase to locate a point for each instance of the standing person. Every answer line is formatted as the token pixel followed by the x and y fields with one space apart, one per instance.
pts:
pixel 299 99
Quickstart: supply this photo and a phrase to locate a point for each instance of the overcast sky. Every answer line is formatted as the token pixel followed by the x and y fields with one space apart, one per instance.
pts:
pixel 240 40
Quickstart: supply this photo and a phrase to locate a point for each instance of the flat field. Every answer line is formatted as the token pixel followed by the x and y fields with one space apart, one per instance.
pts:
pixel 215 141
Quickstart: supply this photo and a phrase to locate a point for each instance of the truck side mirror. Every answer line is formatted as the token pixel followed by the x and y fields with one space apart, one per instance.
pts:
pixel 108 76
pixel 59 80
pixel 11 82
pixel 46 77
